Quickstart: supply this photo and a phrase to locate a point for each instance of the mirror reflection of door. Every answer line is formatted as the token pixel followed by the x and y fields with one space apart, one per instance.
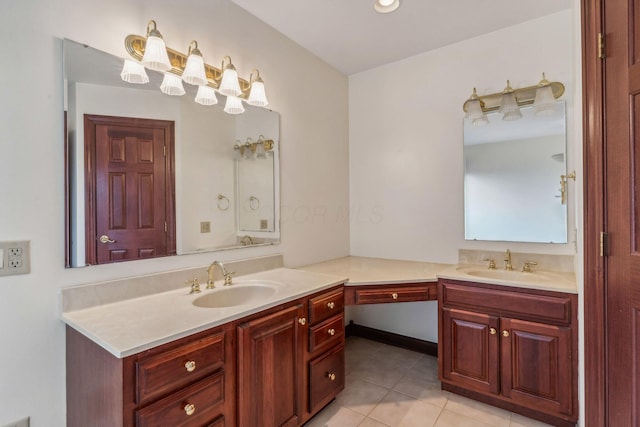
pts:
pixel 129 186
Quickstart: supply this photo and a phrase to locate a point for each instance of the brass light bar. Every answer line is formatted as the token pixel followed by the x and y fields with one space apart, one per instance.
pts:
pixel 135 46
pixel 524 96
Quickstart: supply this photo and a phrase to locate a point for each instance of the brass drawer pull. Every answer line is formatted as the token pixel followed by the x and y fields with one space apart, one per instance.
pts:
pixel 331 376
pixel 302 321
pixel 505 333
pixel 189 408
pixel 331 332
pixel 190 365
pixel 493 331
pixel 394 295
pixel 331 305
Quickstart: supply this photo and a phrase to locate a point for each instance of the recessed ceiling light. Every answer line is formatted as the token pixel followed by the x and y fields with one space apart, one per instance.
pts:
pixel 386 6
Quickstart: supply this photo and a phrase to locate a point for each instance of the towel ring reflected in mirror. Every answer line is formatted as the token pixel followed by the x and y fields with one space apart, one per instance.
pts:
pixel 254 203
pixel 223 202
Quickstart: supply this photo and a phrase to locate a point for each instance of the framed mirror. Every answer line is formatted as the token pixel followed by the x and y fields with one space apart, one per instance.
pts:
pixel 196 201
pixel 512 173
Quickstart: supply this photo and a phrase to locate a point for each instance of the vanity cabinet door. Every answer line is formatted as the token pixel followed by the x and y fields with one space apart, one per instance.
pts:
pixel 536 365
pixel 470 350
pixel 269 369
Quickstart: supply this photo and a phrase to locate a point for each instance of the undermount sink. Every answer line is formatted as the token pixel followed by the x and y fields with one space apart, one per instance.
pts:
pixel 236 294
pixel 505 274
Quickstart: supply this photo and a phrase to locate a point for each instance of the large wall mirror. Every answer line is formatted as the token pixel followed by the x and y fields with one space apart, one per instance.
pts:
pixel 212 178
pixel 512 174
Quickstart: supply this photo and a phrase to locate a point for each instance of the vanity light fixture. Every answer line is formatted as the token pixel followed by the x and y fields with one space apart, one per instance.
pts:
pixel 133 72
pixel 233 105
pixel 151 51
pixel 257 94
pixel 172 85
pixel 194 73
pixel 386 6
pixel 544 103
pixel 522 96
pixel 474 110
pixel 155 53
pixel 206 95
pixel 261 149
pixel 229 84
pixel 508 105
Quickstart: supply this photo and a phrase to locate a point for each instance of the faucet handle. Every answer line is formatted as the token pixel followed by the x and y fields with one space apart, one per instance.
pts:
pixel 227 278
pixel 527 266
pixel 492 263
pixel 195 285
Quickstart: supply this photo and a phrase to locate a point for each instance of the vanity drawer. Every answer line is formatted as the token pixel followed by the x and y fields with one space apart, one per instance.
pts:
pixel 326 334
pixel 326 378
pixel 538 306
pixel 394 293
pixel 326 305
pixel 196 405
pixel 176 368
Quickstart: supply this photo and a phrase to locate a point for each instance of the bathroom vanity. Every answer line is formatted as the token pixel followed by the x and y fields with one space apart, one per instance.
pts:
pixel 274 362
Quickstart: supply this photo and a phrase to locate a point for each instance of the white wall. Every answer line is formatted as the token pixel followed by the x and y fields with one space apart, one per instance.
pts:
pixel 406 159
pixel 314 157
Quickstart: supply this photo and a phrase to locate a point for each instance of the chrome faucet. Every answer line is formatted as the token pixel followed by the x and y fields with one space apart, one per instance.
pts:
pixel 246 240
pixel 227 275
pixel 507 260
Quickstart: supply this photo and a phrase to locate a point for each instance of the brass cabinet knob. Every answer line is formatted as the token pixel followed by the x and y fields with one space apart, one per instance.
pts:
pixel 493 331
pixel 394 295
pixel 331 332
pixel 302 321
pixel 189 408
pixel 331 305
pixel 331 376
pixel 190 365
pixel 505 333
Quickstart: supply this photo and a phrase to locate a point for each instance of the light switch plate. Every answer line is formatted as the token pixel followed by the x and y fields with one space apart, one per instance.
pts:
pixel 16 258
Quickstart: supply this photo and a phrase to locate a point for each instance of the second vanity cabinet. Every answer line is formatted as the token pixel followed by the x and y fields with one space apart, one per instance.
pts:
pixel 277 367
pixel 510 347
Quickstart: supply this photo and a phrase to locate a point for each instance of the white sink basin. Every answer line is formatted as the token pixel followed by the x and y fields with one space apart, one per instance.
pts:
pixel 236 294
pixel 506 275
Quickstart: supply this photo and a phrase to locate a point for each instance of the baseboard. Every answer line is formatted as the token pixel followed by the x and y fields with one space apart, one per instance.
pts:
pixel 410 343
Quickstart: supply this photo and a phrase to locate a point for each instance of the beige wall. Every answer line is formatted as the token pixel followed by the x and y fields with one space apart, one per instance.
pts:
pixel 310 96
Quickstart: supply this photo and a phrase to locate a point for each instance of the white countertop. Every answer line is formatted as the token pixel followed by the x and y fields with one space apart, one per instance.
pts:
pixel 376 271
pixel 373 271
pixel 130 326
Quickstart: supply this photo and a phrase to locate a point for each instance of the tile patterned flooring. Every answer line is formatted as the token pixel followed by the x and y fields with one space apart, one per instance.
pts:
pixel 388 386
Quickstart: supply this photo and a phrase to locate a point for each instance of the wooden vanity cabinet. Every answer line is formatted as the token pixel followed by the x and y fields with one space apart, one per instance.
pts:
pixel 511 347
pixel 275 368
pixel 188 382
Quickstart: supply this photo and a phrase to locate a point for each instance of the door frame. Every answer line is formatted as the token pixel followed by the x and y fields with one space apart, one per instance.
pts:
pixel 90 123
pixel 595 404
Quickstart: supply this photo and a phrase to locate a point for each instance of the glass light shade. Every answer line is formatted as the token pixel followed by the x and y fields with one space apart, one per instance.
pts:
pixel 233 105
pixel 206 96
pixel 474 109
pixel 545 102
pixel 260 153
pixel 257 96
pixel 512 115
pixel 480 121
pixel 133 72
pixel 172 85
pixel 194 73
pixel 229 84
pixel 155 55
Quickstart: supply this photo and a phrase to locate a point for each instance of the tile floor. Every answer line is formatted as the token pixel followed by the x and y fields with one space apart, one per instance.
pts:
pixel 388 386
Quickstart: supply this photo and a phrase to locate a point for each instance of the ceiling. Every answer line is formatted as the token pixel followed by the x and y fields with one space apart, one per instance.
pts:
pixel 352 37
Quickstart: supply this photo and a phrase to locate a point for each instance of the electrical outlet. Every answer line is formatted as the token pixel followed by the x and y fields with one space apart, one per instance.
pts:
pixel 15 258
pixel 264 224
pixel 205 227
pixel 20 423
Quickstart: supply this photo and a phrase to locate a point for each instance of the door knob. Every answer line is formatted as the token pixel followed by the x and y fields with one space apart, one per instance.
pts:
pixel 505 333
pixel 105 239
pixel 492 331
